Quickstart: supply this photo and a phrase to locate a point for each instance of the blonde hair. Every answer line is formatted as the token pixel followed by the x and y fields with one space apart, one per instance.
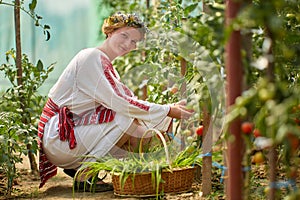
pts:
pixel 120 20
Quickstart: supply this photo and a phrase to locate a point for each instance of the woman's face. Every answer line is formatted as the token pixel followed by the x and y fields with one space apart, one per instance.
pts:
pixel 124 40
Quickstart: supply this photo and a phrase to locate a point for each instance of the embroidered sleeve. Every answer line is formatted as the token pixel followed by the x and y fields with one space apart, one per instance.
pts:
pixel 97 78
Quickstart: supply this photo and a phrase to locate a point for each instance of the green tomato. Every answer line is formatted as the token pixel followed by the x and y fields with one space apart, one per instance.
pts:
pixel 194 144
pixel 190 139
pixel 243 111
pixel 187 132
pixel 190 149
pixel 240 101
pixel 265 94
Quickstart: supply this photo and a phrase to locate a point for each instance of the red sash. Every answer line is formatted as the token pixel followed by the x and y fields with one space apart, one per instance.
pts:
pixel 66 131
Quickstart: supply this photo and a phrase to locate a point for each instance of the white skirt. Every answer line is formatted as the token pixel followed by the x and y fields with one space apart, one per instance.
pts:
pixel 92 140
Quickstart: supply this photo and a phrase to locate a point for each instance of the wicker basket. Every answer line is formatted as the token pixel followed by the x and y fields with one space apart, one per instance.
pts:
pixel 141 184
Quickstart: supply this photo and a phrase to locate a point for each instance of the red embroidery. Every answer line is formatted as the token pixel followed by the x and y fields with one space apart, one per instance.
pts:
pixel 46 168
pixel 127 91
pixel 108 70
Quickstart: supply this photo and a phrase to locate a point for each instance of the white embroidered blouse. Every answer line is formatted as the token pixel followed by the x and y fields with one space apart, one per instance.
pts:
pixel 90 80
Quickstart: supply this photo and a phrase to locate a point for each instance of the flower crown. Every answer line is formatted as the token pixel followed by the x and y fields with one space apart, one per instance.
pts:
pixel 131 20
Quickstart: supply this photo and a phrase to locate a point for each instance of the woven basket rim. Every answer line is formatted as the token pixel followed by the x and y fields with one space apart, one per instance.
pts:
pixel 163 170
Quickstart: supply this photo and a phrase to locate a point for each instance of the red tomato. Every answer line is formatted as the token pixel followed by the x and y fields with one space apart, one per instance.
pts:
pixel 199 130
pixel 293 173
pixel 297 121
pixel 256 133
pixel 294 142
pixel 247 127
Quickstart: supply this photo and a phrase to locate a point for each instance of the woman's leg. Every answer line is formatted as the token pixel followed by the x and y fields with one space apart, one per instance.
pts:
pixel 130 141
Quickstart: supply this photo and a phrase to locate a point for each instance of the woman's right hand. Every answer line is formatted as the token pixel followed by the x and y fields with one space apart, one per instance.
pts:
pixel 180 111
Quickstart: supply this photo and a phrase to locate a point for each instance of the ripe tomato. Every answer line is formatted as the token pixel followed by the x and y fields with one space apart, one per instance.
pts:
pixel 294 142
pixel 256 133
pixel 247 127
pixel 293 173
pixel 199 130
pixel 297 121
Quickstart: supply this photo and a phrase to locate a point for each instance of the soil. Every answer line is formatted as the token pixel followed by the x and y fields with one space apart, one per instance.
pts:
pixel 60 187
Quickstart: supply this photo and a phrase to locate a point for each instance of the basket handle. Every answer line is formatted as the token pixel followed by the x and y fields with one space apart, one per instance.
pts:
pixel 163 141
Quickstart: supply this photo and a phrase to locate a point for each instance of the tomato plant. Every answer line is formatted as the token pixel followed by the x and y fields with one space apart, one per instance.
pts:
pixel 20 103
pixel 270 34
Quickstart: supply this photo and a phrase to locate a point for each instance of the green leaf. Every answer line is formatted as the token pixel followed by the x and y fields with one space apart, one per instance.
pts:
pixel 46 26
pixel 32 5
pixel 40 65
pixel 3 66
pixel 51 67
pixel 190 8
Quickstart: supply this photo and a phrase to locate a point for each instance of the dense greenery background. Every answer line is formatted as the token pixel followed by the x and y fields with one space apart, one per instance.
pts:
pixel 271 50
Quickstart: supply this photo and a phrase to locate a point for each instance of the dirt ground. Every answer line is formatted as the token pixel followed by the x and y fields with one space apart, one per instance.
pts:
pixel 60 187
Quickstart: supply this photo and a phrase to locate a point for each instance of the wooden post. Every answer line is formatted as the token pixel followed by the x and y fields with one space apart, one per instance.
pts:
pixel 233 65
pixel 272 172
pixel 144 88
pixel 206 143
pixel 207 149
pixel 183 94
pixel 18 43
pixel 273 152
pixel 143 85
pixel 31 156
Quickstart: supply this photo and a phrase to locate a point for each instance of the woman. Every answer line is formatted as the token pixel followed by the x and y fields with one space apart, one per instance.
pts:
pixel 91 112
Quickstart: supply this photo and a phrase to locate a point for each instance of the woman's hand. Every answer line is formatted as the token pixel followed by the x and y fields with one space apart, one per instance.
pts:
pixel 180 111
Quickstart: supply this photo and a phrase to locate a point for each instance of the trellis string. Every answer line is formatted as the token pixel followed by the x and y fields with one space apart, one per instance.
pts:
pixel 284 184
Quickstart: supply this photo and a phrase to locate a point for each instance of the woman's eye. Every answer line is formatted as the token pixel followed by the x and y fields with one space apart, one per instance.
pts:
pixel 133 42
pixel 124 35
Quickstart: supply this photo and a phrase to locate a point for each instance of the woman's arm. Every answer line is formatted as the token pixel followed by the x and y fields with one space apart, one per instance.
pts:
pixel 97 79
